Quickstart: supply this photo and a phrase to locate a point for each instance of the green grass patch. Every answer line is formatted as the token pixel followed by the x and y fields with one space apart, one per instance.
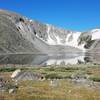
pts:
pixel 7 69
pixel 95 78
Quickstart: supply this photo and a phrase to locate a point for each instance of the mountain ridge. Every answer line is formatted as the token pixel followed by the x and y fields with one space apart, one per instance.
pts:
pixel 20 34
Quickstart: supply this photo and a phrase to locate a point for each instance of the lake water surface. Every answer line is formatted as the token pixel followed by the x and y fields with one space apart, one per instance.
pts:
pixel 44 59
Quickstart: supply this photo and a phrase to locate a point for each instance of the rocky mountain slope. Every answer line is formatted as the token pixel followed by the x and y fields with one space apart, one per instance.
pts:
pixel 19 34
pixel 91 40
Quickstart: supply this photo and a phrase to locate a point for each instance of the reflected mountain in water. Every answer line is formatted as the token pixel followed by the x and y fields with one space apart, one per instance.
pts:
pixel 43 59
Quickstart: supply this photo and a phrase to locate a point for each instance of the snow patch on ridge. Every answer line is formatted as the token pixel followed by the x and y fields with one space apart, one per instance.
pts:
pixel 73 42
pixel 95 34
pixel 49 40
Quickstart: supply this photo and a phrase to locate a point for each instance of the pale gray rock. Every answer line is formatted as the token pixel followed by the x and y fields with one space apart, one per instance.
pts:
pixel 19 34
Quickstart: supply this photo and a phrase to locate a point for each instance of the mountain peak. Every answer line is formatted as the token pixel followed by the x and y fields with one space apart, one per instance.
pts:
pixel 20 34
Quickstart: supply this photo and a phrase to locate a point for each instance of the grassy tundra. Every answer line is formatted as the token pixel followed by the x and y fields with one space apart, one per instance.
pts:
pixel 62 88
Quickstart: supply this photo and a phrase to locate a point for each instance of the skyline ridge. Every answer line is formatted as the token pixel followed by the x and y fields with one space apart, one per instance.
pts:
pixel 75 15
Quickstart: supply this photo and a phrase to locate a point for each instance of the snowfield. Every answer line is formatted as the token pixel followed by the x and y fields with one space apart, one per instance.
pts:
pixel 95 34
pixel 73 42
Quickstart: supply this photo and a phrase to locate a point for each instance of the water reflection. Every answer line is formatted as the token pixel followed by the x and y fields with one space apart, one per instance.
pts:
pixel 43 59
pixel 65 61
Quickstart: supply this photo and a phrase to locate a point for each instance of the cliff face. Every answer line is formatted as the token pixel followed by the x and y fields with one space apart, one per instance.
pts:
pixel 19 34
pixel 91 40
pixel 11 39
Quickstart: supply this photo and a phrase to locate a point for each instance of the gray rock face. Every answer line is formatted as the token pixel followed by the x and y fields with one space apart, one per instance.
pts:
pixel 27 76
pixel 91 39
pixel 19 34
pixel 11 41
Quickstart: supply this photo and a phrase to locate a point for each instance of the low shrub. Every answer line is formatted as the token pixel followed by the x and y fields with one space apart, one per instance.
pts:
pixel 7 69
pixel 95 78
pixel 53 76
